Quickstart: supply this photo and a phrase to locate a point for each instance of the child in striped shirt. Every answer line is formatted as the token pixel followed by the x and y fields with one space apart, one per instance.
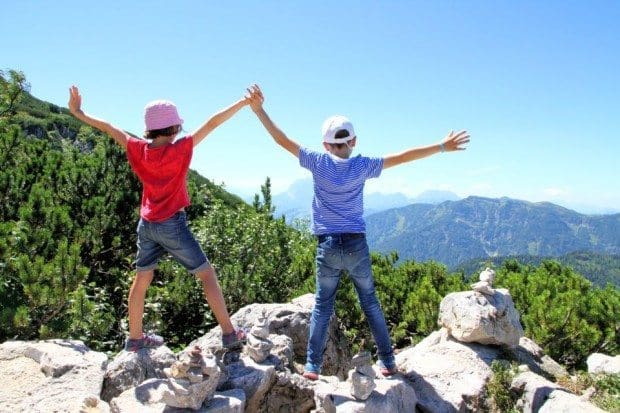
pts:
pixel 338 223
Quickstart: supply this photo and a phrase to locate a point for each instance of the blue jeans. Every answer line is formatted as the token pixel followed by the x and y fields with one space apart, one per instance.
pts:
pixel 172 236
pixel 336 253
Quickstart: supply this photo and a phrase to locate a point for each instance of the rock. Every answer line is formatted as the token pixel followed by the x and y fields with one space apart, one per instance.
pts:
pixel 147 398
pixel 540 395
pixel 231 401
pixel 193 379
pixel 486 319
pixel 129 369
pixel 253 378
pixel 447 375
pixel 362 376
pixel 261 328
pixel 390 395
pixel 485 285
pixel 291 320
pixel 532 355
pixel 258 348
pixel 51 375
pixel 289 393
pixel 602 363
pixel 282 350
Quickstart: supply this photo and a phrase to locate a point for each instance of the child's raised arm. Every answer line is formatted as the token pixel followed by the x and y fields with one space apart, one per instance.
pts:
pixel 256 103
pixel 452 142
pixel 75 107
pixel 217 119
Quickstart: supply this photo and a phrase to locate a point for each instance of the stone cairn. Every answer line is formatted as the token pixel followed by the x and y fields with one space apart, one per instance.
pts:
pixel 258 343
pixel 485 285
pixel 192 380
pixel 362 376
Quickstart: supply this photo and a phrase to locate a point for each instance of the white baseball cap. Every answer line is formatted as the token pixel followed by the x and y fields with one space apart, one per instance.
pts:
pixel 335 124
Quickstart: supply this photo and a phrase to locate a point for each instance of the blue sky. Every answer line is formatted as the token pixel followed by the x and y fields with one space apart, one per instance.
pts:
pixel 535 83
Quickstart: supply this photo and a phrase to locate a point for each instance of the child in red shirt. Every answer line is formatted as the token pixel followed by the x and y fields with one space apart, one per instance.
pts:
pixel 161 164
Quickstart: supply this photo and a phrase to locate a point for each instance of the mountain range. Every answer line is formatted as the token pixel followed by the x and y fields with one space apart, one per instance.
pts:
pixel 453 232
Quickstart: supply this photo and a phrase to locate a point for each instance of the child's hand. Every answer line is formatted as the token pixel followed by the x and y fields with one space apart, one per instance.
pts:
pixel 75 100
pixel 455 142
pixel 255 97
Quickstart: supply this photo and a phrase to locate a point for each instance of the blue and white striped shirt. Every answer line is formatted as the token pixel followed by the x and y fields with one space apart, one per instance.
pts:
pixel 338 203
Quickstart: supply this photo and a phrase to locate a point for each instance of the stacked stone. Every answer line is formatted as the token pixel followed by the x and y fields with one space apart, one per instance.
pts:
pixel 362 376
pixel 192 380
pixel 485 315
pixel 259 345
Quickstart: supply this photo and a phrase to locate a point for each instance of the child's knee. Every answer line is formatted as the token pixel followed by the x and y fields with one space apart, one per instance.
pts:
pixel 206 275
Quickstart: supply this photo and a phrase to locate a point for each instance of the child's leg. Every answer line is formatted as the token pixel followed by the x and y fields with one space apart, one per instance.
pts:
pixel 215 298
pixel 136 302
pixel 360 271
pixel 328 273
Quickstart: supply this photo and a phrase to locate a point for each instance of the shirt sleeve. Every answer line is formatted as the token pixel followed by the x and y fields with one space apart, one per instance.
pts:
pixel 186 145
pixel 308 158
pixel 133 149
pixel 374 166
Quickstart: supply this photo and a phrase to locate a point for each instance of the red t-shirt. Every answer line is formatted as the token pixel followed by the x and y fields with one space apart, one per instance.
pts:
pixel 163 173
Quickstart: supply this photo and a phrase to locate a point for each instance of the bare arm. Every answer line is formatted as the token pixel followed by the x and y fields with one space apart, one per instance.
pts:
pixel 75 107
pixel 452 142
pixel 217 119
pixel 256 103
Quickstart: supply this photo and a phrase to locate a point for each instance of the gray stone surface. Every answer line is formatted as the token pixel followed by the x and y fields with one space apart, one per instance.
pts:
pixel 447 375
pixel 50 375
pixel 129 369
pixel 540 395
pixel 292 320
pixel 602 363
pixel 390 395
pixel 486 319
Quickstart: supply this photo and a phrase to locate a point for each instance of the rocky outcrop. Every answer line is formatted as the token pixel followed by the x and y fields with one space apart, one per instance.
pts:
pixel 540 395
pixel 530 354
pixel 474 317
pixel 447 375
pixel 50 376
pixel 443 373
pixel 602 363
pixel 291 320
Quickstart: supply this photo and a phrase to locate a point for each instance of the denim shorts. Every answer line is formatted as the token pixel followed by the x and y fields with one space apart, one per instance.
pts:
pixel 172 236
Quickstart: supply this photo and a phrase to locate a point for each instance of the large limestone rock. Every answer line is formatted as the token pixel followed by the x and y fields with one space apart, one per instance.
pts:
pixel 148 398
pixel 390 395
pixel 50 376
pixel 471 316
pixel 291 320
pixel 602 363
pixel 532 355
pixel 289 393
pixel 129 369
pixel 447 375
pixel 540 395
pixel 253 378
pixel 193 379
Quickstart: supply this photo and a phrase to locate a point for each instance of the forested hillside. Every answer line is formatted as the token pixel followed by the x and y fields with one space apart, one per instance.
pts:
pixel 67 241
pixel 601 269
pixel 457 231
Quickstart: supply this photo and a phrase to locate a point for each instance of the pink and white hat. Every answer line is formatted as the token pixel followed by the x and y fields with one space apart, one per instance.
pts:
pixel 160 114
pixel 335 124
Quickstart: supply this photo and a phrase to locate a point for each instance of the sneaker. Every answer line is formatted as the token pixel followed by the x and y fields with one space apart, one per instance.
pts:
pixel 311 375
pixel 385 370
pixel 234 340
pixel 147 341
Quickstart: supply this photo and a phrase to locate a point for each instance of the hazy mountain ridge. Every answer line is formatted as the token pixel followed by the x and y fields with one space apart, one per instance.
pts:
pixel 456 231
